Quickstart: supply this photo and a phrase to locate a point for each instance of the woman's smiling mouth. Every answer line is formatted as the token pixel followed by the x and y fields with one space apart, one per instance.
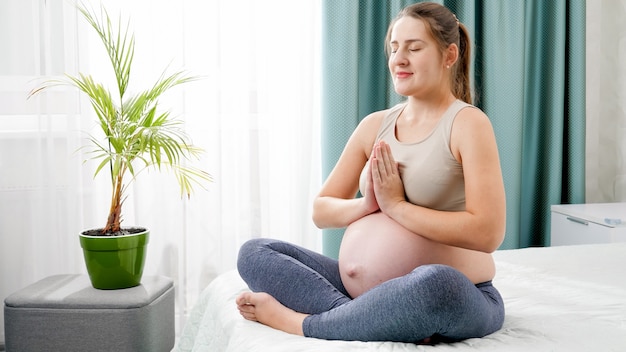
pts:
pixel 403 74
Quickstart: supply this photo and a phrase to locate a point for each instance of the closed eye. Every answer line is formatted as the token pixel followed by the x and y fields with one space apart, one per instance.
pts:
pixel 409 43
pixel 393 51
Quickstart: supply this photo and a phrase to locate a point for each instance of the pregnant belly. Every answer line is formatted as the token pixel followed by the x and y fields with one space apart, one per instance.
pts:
pixel 376 248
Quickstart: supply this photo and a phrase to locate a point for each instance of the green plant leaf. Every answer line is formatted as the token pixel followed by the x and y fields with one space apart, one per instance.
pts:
pixel 136 135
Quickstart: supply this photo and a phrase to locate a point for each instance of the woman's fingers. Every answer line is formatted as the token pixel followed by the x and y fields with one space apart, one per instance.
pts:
pixel 385 164
pixel 388 187
pixel 387 157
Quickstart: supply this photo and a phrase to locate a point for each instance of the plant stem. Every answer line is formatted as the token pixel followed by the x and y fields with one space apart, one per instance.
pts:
pixel 115 212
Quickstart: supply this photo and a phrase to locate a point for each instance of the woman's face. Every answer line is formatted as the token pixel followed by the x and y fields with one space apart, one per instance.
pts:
pixel 415 61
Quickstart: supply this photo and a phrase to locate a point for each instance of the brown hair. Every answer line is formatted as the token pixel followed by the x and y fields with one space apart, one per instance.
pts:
pixel 446 29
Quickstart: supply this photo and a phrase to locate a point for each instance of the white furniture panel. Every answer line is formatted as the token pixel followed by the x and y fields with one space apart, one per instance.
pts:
pixel 588 223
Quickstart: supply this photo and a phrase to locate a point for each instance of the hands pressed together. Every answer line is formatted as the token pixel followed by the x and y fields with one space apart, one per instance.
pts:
pixel 385 189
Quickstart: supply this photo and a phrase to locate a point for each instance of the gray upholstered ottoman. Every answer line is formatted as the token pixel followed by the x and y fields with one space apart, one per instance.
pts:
pixel 65 313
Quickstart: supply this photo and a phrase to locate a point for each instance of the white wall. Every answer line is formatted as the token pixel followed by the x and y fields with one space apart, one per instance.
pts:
pixel 606 101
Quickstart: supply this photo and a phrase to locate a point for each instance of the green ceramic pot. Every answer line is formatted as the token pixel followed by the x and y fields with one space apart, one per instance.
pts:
pixel 115 262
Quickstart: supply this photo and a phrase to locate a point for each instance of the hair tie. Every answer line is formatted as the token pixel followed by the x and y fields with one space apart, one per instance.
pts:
pixel 456 19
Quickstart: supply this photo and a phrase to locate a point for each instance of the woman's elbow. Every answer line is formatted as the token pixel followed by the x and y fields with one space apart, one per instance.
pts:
pixel 493 238
pixel 492 244
pixel 316 220
pixel 318 214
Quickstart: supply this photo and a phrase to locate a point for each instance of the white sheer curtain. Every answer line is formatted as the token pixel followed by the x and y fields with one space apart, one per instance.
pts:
pixel 606 101
pixel 255 113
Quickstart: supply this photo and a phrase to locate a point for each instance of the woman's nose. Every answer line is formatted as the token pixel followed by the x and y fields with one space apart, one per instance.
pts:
pixel 399 58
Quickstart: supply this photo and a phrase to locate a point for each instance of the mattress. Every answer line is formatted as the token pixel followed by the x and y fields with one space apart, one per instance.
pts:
pixel 567 298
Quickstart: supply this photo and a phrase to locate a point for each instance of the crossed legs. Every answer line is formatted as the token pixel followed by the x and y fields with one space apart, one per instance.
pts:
pixel 290 294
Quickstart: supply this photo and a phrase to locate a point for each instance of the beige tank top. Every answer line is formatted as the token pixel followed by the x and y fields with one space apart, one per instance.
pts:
pixel 431 175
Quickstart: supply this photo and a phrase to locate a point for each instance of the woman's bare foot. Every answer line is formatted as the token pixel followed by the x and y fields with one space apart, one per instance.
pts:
pixel 261 307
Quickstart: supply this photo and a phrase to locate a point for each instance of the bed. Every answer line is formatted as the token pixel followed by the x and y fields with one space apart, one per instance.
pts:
pixel 567 298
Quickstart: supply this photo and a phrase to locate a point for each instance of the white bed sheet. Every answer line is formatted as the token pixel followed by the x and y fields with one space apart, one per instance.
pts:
pixel 569 298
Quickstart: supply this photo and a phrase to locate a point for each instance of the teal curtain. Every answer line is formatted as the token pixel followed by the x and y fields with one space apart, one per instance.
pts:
pixel 528 75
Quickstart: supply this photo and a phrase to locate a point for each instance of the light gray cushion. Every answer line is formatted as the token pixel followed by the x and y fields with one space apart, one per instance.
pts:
pixel 65 313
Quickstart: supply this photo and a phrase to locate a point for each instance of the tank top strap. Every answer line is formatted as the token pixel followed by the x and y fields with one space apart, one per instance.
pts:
pixel 445 126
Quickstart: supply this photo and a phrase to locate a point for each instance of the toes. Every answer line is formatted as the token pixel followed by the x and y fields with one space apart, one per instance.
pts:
pixel 248 311
pixel 248 316
pixel 243 299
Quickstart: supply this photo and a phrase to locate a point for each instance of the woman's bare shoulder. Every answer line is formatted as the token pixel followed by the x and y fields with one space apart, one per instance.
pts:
pixel 376 116
pixel 371 123
pixel 473 133
pixel 471 123
pixel 472 116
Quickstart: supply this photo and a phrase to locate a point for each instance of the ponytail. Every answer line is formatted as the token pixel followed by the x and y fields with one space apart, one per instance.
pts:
pixel 461 87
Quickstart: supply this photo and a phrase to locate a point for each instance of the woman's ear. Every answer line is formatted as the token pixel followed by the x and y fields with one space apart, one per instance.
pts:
pixel 451 55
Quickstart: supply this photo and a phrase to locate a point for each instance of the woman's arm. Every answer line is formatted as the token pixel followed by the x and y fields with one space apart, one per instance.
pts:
pixel 482 225
pixel 336 206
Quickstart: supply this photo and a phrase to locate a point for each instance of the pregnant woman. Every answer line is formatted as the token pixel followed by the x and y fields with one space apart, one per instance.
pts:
pixel 415 261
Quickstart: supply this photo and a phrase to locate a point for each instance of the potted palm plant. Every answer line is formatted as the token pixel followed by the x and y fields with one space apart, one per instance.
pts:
pixel 135 136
